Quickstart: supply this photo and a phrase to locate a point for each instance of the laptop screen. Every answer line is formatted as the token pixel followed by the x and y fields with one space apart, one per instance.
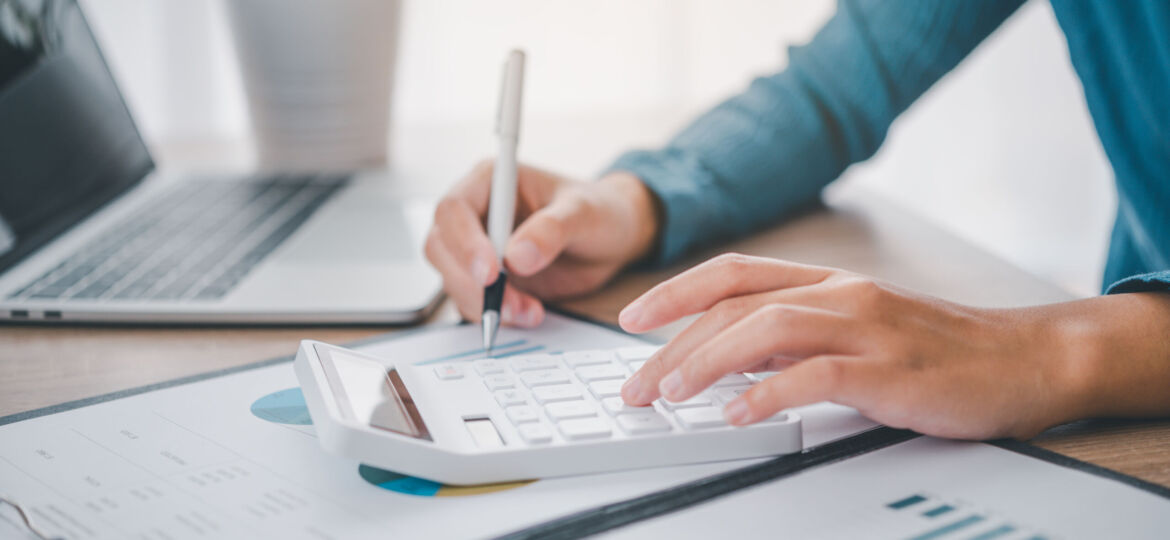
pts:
pixel 67 142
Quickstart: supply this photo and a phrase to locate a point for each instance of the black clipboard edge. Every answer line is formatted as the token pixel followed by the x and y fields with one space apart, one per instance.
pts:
pixel 673 499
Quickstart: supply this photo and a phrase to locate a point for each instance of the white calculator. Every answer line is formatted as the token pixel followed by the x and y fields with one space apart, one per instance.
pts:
pixel 520 417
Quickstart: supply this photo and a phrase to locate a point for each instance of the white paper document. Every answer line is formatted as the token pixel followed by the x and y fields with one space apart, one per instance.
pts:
pixel 235 456
pixel 925 489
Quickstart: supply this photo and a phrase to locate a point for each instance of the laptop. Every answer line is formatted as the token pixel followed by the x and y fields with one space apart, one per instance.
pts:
pixel 90 231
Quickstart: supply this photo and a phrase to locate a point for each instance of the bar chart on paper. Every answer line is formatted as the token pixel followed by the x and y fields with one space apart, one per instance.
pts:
pixel 929 517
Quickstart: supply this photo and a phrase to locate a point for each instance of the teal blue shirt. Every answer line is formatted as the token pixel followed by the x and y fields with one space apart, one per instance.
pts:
pixel 764 154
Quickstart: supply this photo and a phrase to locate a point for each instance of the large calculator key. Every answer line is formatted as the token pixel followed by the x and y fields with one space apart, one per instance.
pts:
pixel 727 394
pixel 534 433
pixel 601 372
pixel 634 354
pixel 558 392
pixel 449 372
pixel 534 361
pixel 701 417
pixel 640 424
pixel 564 410
pixel 605 389
pixel 585 428
pixel 587 358
pixel 489 367
pixel 616 405
pixel 507 398
pixel 498 382
pixel 523 414
pixel 700 400
pixel 544 377
pixel 734 379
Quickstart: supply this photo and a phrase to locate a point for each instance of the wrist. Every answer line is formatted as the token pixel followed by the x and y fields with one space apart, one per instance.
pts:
pixel 639 207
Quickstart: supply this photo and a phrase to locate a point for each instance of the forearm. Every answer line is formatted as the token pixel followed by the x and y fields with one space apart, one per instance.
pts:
pixel 761 156
pixel 1116 349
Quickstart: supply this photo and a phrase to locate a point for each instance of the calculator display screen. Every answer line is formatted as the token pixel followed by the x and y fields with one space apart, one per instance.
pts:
pixel 369 393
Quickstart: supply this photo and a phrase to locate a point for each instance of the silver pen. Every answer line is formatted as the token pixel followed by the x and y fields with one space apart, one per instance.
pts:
pixel 502 204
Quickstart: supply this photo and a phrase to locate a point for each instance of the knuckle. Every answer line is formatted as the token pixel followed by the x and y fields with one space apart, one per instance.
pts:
pixel 777 314
pixel 445 208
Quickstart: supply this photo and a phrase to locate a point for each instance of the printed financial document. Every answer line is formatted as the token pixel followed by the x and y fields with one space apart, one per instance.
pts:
pixel 925 489
pixel 235 456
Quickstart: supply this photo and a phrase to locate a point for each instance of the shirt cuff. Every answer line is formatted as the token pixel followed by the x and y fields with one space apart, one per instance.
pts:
pixel 1152 282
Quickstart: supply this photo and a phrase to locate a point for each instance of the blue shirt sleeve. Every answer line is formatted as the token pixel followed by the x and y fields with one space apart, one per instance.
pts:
pixel 1152 282
pixel 764 154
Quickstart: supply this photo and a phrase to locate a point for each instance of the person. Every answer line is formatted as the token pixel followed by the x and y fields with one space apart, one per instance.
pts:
pixel 901 358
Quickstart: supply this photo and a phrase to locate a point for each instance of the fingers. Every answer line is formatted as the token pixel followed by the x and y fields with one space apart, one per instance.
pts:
pixel 701 287
pixel 460 231
pixel 518 308
pixel 792 331
pixel 541 238
pixel 821 378
pixel 729 340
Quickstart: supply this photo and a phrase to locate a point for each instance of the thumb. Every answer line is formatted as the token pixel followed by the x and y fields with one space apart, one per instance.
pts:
pixel 542 237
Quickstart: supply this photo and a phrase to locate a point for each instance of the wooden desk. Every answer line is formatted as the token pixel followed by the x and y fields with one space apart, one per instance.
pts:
pixel 42 366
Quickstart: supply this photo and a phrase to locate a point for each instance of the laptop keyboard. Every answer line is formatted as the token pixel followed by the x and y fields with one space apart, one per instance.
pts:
pixel 195 241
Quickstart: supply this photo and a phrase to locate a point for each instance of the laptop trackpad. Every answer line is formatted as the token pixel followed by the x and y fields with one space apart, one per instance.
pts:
pixel 360 225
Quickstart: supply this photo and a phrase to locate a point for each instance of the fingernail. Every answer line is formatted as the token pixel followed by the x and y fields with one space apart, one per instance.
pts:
pixel 671 386
pixel 631 316
pixel 736 412
pixel 524 256
pixel 479 271
pixel 632 390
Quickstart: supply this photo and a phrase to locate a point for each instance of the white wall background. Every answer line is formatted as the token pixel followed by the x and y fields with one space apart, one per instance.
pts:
pixel 1001 152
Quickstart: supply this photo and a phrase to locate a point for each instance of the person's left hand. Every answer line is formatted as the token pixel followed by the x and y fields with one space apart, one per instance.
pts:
pixel 901 358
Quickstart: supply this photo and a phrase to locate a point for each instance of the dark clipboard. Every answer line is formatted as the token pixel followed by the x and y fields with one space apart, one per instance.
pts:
pixel 613 515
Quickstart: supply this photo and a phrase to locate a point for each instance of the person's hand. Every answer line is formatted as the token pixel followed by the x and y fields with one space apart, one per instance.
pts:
pixel 570 238
pixel 901 358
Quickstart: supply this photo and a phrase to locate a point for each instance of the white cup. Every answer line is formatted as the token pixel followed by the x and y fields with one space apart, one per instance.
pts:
pixel 318 76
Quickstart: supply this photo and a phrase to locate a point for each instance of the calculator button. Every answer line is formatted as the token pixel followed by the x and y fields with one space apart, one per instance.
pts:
pixel 604 389
pixel 523 414
pixel 585 428
pixel 616 405
pixel 498 382
pixel 701 417
pixel 640 424
pixel 586 358
pixel 534 433
pixel 601 372
pixel 449 372
pixel 510 397
pixel 634 354
pixel 734 379
pixel 559 392
pixel 564 410
pixel 700 400
pixel 544 377
pixel 489 367
pixel 536 361
pixel 727 394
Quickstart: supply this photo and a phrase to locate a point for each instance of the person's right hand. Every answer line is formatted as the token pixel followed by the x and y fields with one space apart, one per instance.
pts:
pixel 570 238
